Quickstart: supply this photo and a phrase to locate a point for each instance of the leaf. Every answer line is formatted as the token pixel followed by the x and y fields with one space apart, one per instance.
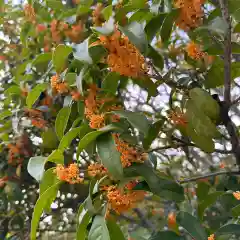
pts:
pixel 43 200
pixel 49 138
pixel 70 78
pixel 5 114
pixel 156 57
pixel 13 90
pixel 82 53
pixel 56 156
pixel 49 179
pixel 135 32
pixel 99 230
pixel 61 121
pixel 54 4
pixel 154 26
pixel 208 201
pixel 166 235
pixel 191 225
pixel 36 167
pixel 107 12
pixel 35 93
pixel 167 25
pixel 228 229
pixel 153 132
pixel 60 56
pixel 202 190
pixel 42 58
pixel 163 187
pixel 110 83
pixel 67 139
pixel 88 138
pixel 136 119
pixel 236 211
pixel 109 155
pixel 115 231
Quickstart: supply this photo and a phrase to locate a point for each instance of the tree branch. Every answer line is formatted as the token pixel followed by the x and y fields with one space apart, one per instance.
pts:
pixel 193 179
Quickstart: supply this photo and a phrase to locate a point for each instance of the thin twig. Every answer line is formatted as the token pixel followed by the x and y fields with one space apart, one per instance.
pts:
pixel 193 179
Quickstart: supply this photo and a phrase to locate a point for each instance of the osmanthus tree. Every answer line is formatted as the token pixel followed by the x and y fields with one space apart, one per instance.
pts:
pixel 68 67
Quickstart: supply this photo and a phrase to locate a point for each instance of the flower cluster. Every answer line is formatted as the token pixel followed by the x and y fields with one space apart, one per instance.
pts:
pixel 123 56
pixel 30 13
pixel 96 170
pixel 178 118
pixel 191 13
pixel 37 118
pixel 59 86
pixel 171 220
pixel 237 195
pixel 121 201
pixel 69 174
pixel 128 153
pixel 211 237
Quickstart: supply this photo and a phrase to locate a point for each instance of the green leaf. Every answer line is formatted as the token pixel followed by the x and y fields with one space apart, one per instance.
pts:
pixel 90 137
pixel 153 132
pixel 43 201
pixel 228 229
pixel 236 211
pixel 49 138
pixel 136 119
pixel 110 83
pixel 204 102
pixel 54 4
pixel 49 179
pixel 161 186
pixel 35 93
pixel 109 155
pixel 99 230
pixel 135 32
pixel 202 190
pixel 115 231
pixel 156 57
pixel 166 235
pixel 83 220
pixel 5 114
pixel 67 139
pixel 60 57
pixel 97 53
pixel 13 90
pixel 191 225
pixel 42 58
pixel 61 121
pixel 154 26
pixel 36 167
pixel 167 25
pixel 207 202
pixel 56 156
pixel 70 78
pixel 107 12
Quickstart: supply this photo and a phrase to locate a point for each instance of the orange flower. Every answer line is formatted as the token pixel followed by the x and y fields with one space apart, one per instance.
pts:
pixel 14 154
pixel 97 121
pixel 39 122
pixel 130 185
pixel 194 51
pixel 2 58
pixel 191 13
pixel 128 154
pixel 211 237
pixel 178 118
pixel 98 18
pixel 54 81
pixel 68 174
pixel 29 13
pixel 237 195
pixel 123 56
pixel 222 165
pixel 96 169
pixel 75 33
pixel 41 28
pixel 171 220
pixel 76 96
pixel 119 201
pixel 62 87
pixel 3 180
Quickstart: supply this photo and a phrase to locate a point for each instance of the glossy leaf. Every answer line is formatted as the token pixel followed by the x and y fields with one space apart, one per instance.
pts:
pixel 36 167
pixel 56 156
pixel 43 200
pixel 115 231
pixel 236 211
pixel 229 229
pixel 5 114
pixel 83 220
pixel 191 225
pixel 99 229
pixel 109 155
pixel 202 190
pixel 110 83
pixel 35 93
pixel 166 235
pixel 61 121
pixel 42 58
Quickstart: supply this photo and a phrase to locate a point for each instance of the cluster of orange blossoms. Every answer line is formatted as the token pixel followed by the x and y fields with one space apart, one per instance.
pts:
pixel 237 195
pixel 128 154
pixel 30 13
pixel 178 118
pixel 120 200
pixel 21 149
pixel 69 174
pixel 172 220
pixel 191 13
pixel 123 56
pixel 58 86
pixel 96 170
pixel 97 16
pixel 36 117
pixel 211 237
